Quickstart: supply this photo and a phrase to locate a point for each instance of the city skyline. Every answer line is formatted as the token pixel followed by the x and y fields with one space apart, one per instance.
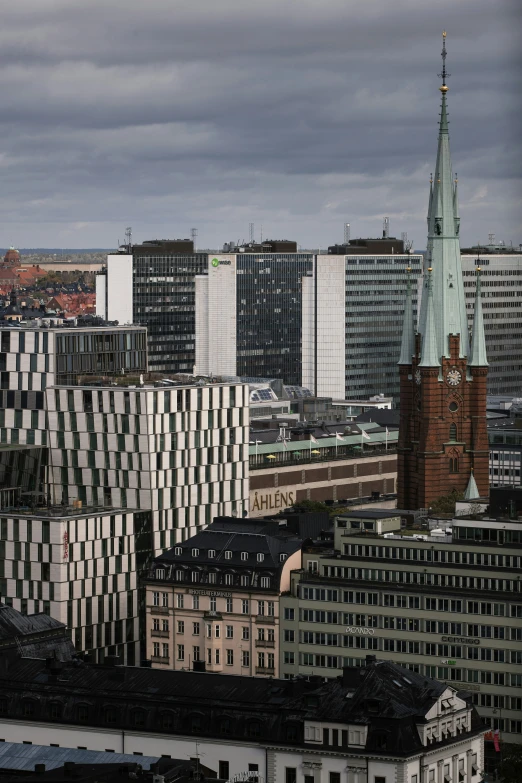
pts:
pixel 214 119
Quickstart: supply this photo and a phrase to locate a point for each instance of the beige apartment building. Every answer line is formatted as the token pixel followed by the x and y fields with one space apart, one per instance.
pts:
pixel 212 602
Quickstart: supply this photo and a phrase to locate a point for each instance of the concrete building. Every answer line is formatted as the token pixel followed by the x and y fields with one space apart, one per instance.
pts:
pixel 287 467
pixel 179 451
pixel 213 601
pixel 445 606
pixel 505 448
pixel 377 724
pixel 154 285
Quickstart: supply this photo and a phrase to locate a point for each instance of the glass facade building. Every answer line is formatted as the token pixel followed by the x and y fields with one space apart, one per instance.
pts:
pixel 269 314
pixel 375 295
pixel 164 302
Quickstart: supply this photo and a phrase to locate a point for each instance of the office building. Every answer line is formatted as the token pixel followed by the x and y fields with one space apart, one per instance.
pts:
pixel 443 438
pixel 361 288
pixel 154 285
pixel 80 566
pixel 35 356
pixel 180 452
pixel 447 605
pixel 213 601
pixel 249 311
pixel 376 724
pixel 501 283
pixel 505 448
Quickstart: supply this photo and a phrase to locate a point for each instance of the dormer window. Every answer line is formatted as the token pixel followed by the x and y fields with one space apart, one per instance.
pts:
pixel 228 554
pixel 282 557
pixel 211 553
pixel 260 557
pixel 244 555
pixel 178 550
pixel 265 581
pixel 160 573
pixel 179 575
pixel 195 553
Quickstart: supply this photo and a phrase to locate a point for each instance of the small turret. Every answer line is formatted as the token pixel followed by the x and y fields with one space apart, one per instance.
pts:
pixel 472 492
pixel 478 339
pixel 429 352
pixel 408 334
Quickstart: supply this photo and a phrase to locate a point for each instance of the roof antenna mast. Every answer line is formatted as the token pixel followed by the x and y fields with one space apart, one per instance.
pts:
pixel 444 75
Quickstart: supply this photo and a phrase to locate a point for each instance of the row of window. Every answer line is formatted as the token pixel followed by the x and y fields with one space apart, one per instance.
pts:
pixel 436 555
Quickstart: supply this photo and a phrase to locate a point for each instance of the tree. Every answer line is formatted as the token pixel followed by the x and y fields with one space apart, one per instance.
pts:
pixel 510 770
pixel 445 504
pixel 310 505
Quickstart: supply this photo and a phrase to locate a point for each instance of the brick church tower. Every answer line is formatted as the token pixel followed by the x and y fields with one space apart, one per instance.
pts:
pixel 443 442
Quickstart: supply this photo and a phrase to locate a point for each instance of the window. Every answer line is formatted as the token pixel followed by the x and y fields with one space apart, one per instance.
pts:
pixel 224 770
pixel 289 636
pixel 195 553
pixel 181 626
pixel 453 433
pixel 155 599
pixel 181 652
pixel 289 614
pixel 165 626
pixel 454 465
pixel 229 579
pixel 261 607
pixel 178 550
pixel 290 775
pixel 244 555
pixel 211 553
pixel 155 650
pixel 245 608
pixel 335 777
pixel 213 604
pixel 165 599
pixel 230 657
pixel 265 581
pixel 229 631
pixel 217 656
pixel 179 599
pixel 196 653
pixel 229 605
pixel 195 629
pixel 245 658
pixel 165 651
pixel 245 633
pixel 260 557
pixel 289 658
pixel 195 602
pixel 228 554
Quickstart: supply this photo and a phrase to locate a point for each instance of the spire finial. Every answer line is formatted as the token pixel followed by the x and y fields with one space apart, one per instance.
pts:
pixel 444 75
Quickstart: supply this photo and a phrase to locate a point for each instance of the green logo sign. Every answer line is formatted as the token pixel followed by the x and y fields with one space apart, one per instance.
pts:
pixel 215 262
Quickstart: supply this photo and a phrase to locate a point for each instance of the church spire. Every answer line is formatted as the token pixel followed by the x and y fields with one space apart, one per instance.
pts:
pixel 472 491
pixel 478 340
pixel 429 351
pixel 408 334
pixel 443 243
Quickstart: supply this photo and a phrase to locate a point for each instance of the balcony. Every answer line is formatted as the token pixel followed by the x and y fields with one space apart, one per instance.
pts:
pixel 263 643
pixel 164 634
pixel 267 619
pixel 158 609
pixel 212 615
pixel 266 670
pixel 160 659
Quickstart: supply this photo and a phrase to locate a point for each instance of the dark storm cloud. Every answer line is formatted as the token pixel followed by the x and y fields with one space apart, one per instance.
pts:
pixel 295 114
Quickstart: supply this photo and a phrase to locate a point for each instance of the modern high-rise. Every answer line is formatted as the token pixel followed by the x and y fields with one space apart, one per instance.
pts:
pixel 180 452
pixel 353 319
pixel 443 442
pixel 154 285
pixel 249 310
pixel 501 283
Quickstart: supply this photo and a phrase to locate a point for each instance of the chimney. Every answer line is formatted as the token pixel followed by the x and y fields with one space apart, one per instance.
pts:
pixel 371 659
pixel 39 769
pixel 351 677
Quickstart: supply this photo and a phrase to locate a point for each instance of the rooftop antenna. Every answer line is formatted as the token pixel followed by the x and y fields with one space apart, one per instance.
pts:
pixel 251 229
pixel 346 233
pixel 386 228
pixel 128 238
pixel 193 234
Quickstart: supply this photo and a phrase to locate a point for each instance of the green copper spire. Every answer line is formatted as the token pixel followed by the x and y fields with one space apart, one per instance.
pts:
pixel 472 492
pixel 408 333
pixel 443 248
pixel 429 350
pixel 478 340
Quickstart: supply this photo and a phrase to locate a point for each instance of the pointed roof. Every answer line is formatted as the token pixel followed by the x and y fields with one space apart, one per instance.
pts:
pixel 472 492
pixel 478 340
pixel 408 334
pixel 443 245
pixel 429 350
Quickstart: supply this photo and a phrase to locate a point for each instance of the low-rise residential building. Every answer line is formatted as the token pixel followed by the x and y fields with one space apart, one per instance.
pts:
pixel 376 724
pixel 448 605
pixel 213 600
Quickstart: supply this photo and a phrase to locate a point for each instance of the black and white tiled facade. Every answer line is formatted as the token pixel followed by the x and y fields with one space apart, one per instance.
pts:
pixel 180 452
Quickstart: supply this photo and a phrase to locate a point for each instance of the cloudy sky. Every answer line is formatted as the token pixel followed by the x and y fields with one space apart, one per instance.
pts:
pixel 297 115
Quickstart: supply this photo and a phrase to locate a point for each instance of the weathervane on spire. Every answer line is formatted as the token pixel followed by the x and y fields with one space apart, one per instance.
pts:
pixel 444 75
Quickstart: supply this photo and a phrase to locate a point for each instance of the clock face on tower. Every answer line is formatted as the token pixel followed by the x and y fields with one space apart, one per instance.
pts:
pixel 453 377
pixel 417 376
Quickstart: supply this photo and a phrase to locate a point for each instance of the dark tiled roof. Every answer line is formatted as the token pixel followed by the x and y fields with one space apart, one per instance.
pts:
pixel 14 623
